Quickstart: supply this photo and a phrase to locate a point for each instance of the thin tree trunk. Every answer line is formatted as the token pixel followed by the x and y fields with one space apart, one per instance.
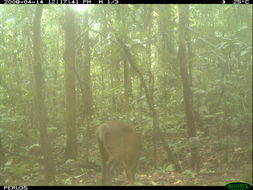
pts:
pixel 126 87
pixel 148 15
pixel 1 152
pixel 49 167
pixel 127 77
pixel 86 75
pixel 87 97
pixel 183 9
pixel 69 57
pixel 150 102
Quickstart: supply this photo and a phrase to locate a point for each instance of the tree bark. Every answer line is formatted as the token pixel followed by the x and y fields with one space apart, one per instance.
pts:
pixel 127 75
pixel 127 86
pixel 87 96
pixel 87 77
pixel 41 111
pixel 1 152
pixel 69 57
pixel 150 102
pixel 183 20
pixel 148 26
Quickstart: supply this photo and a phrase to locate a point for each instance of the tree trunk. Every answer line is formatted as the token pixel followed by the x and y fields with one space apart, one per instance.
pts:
pixel 86 76
pixel 127 77
pixel 148 26
pixel 1 152
pixel 150 102
pixel 87 96
pixel 127 87
pixel 183 9
pixel 69 57
pixel 49 167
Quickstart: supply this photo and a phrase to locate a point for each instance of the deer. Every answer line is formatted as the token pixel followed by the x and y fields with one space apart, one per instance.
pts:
pixel 119 145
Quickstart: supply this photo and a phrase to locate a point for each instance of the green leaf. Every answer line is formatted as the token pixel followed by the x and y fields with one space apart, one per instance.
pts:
pixel 169 168
pixel 189 173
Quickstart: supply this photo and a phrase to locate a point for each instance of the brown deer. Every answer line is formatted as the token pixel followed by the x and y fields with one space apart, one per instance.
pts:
pixel 119 145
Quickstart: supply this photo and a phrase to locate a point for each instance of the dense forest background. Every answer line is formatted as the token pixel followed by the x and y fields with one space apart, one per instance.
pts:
pixel 181 75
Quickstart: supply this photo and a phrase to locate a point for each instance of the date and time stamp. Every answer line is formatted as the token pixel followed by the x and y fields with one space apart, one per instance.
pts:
pixel 61 1
pixel 237 1
pixel 97 1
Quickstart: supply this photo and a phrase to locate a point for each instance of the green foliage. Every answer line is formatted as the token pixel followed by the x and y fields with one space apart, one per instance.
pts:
pixel 168 168
pixel 220 69
pixel 189 173
pixel 19 171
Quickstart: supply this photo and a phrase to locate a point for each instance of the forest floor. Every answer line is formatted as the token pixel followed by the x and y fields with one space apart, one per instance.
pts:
pixel 156 178
pixel 83 177
pixel 78 173
pixel 159 178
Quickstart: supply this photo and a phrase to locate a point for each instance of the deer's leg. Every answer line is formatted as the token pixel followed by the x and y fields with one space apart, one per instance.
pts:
pixel 130 176
pixel 130 168
pixel 106 177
